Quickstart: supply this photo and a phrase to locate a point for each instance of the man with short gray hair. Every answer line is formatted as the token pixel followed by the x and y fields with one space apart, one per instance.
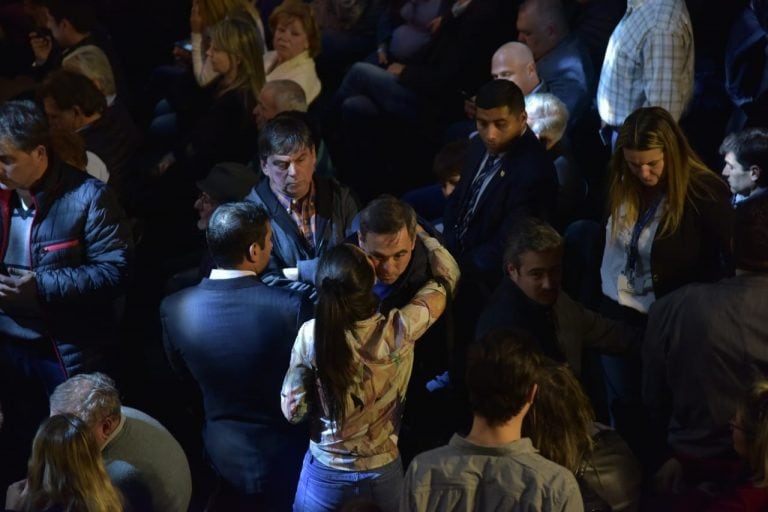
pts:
pixel 530 299
pixel 276 97
pixel 142 458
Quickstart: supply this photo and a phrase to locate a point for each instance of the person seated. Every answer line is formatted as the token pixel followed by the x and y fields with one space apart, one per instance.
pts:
pixel 512 61
pixel 405 27
pixel 562 61
pixel 494 467
pixel 73 24
pixel 255 454
pixel 507 176
pixel 142 458
pixel 224 129
pixel 205 14
pixel 529 298
pixel 746 488
pixel 746 163
pixel 430 201
pixel 548 118
pixel 309 213
pixel 562 427
pixel 73 103
pixel 296 41
pixel 278 96
pixel 66 472
pixel 226 182
pixel 348 374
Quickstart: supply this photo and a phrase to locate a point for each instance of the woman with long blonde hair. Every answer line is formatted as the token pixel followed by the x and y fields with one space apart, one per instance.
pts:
pixel 65 472
pixel 669 225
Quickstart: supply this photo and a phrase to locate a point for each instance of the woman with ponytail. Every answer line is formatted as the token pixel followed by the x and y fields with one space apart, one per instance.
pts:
pixel 349 371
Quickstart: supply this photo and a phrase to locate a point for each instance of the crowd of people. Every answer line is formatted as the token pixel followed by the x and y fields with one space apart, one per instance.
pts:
pixel 381 255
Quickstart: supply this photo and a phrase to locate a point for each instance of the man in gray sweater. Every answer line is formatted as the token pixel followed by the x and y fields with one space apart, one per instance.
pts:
pixel 142 458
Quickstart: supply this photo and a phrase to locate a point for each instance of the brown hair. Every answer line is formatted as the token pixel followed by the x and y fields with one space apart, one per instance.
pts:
pixel 296 9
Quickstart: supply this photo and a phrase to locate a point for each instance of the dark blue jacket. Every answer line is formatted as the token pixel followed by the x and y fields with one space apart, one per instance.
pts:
pixel 233 337
pixel 80 249
pixel 525 185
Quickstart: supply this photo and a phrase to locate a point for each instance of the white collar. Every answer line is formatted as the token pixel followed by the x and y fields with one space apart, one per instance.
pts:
pixel 230 273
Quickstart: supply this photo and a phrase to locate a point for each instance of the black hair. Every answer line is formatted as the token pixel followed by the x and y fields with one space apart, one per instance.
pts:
pixel 749 147
pixel 501 370
pixel 23 124
pixel 232 228
pixel 285 134
pixel 80 13
pixel 386 215
pixel 69 89
pixel 344 281
pixel 501 93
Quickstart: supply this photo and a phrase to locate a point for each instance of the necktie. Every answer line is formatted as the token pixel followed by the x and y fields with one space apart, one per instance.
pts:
pixel 474 193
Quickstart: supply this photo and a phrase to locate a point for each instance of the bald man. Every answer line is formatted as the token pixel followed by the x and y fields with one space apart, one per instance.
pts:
pixel 514 61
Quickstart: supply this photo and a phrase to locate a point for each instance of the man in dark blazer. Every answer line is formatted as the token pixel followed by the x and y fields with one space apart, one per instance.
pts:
pixel 507 176
pixel 232 335
pixel 309 213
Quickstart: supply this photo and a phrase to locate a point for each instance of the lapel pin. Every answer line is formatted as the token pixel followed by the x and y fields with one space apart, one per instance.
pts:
pixel 502 173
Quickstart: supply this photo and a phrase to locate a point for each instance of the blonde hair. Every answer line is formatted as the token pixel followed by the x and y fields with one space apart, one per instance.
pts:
pixel 754 423
pixel 91 62
pixel 66 469
pixel 561 418
pixel 241 41
pixel 685 176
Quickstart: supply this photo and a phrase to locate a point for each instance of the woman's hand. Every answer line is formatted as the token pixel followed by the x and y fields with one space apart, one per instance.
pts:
pixel 196 24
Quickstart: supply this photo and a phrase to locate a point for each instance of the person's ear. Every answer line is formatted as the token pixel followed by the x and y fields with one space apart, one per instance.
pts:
pixel 754 172
pixel 360 239
pixel 512 271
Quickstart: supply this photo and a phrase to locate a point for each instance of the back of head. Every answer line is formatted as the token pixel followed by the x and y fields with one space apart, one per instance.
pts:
pixel 80 14
pixel 387 215
pixel 241 40
pixel 449 161
pixel 24 125
pixel 750 148
pixel 750 235
pixel 501 372
pixel 561 419
pixel 547 117
pixel 92 397
pixel 754 427
pixel 530 235
pixel 69 89
pixel 90 61
pixel 298 10
pixel 287 95
pixel 213 11
pixel 285 135
pixel 66 469
pixel 344 280
pixel 500 93
pixel 232 229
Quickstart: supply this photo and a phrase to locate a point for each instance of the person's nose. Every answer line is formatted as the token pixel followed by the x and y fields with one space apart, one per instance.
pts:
pixel 726 172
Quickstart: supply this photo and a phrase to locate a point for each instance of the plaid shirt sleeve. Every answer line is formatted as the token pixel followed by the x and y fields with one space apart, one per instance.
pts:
pixel 668 70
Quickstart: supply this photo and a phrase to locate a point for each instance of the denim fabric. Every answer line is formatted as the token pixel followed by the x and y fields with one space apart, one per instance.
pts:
pixel 324 489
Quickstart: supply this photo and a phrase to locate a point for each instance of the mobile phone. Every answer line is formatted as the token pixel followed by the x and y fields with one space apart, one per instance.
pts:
pixel 184 44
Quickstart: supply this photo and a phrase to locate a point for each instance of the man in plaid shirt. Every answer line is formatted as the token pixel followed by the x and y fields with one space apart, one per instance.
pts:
pixel 649 62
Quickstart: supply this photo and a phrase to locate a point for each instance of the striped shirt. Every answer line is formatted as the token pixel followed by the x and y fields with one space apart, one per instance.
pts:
pixel 649 61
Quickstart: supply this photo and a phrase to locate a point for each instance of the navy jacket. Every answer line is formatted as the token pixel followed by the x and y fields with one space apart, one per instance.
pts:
pixel 336 209
pixel 233 337
pixel 80 249
pixel 525 185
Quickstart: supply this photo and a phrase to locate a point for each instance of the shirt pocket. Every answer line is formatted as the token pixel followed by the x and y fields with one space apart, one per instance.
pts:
pixel 60 253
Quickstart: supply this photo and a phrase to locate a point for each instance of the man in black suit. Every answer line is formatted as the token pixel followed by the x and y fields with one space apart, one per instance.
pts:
pixel 233 335
pixel 508 176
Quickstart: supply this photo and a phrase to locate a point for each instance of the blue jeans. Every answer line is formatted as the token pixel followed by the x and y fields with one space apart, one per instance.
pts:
pixel 324 489
pixel 368 90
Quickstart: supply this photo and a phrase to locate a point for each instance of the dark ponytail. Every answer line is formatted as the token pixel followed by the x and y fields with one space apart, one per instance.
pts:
pixel 345 281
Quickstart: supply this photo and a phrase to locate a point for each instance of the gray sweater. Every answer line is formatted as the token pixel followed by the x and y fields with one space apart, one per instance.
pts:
pixel 148 465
